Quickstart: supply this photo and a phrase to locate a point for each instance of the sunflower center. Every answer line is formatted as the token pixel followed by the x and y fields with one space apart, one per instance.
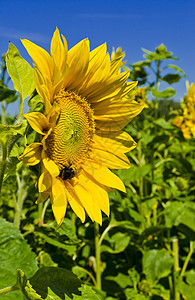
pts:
pixel 69 143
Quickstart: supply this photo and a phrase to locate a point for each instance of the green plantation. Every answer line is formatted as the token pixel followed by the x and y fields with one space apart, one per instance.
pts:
pixel 139 245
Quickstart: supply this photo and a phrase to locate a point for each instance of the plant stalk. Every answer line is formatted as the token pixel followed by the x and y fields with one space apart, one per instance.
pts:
pixel 97 256
pixel 21 196
pixel 175 245
pixel 187 260
pixel 9 289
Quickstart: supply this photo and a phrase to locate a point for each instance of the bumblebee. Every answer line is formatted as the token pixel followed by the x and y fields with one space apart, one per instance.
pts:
pixel 67 172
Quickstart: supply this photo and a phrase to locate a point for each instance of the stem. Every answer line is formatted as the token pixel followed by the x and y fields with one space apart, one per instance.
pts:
pixel 187 259
pixel 44 209
pixel 40 208
pixel 3 162
pixel 176 266
pixel 157 83
pixel 104 233
pixel 3 112
pixel 98 257
pixel 140 180
pixel 9 289
pixel 21 109
pixel 21 196
pixel 90 275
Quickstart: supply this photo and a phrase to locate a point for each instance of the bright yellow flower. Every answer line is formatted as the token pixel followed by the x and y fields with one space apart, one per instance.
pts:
pixel 187 121
pixel 81 129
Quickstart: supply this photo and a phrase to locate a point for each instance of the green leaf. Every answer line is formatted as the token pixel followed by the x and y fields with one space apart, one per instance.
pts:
pixel 187 291
pixel 8 131
pixel 8 95
pixel 26 287
pixel 121 279
pixel 20 72
pixel 171 78
pixel 177 69
pixel 163 123
pixel 156 264
pixel 118 242
pixel 167 93
pixel 160 53
pixel 190 277
pixel 134 173
pixel 60 281
pixel 87 293
pixel 15 254
pixel 161 291
pixel 178 212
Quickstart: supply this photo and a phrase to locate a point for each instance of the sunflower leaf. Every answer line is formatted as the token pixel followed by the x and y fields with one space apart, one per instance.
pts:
pixel 57 283
pixel 14 253
pixel 156 264
pixel 20 72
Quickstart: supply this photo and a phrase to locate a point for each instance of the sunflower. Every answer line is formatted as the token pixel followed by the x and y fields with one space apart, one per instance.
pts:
pixel 81 137
pixel 186 121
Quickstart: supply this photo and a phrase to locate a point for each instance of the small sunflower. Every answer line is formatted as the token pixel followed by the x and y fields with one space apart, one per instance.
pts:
pixel 186 121
pixel 81 137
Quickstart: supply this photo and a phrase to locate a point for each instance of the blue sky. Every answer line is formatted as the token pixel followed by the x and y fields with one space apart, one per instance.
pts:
pixel 129 24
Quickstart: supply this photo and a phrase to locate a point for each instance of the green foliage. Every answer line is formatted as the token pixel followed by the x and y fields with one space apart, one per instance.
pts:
pixel 139 256
pixel 15 253
pixel 157 264
pixel 20 72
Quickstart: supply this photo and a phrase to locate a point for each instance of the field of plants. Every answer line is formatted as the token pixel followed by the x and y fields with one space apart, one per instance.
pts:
pixel 145 248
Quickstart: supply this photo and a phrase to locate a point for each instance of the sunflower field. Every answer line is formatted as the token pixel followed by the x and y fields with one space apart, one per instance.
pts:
pixel 97 179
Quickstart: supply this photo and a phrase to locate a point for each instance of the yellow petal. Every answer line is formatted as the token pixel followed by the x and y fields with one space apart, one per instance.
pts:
pixel 110 88
pixel 74 201
pixel 103 175
pixel 116 64
pixel 98 76
pixel 45 181
pixel 44 88
pixel 115 142
pixel 59 200
pixel 50 165
pixel 42 197
pixel 41 58
pixel 32 154
pixel 111 160
pixel 59 51
pixel 115 115
pixel 86 200
pixel 86 184
pixel 78 59
pixel 61 82
pixel 38 122
pixel 99 195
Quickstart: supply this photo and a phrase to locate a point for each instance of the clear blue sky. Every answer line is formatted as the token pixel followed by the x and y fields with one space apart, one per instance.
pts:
pixel 129 24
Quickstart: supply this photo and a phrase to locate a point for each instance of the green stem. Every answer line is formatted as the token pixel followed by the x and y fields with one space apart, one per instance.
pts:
pixel 3 162
pixel 90 275
pixel 9 289
pixel 141 183
pixel 187 260
pixel 3 112
pixel 21 196
pixel 40 208
pixel 176 266
pixel 157 83
pixel 104 233
pixel 44 209
pixel 21 109
pixel 98 257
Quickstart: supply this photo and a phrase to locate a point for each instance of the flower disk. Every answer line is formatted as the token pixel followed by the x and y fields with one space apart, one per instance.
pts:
pixel 70 141
pixel 87 104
